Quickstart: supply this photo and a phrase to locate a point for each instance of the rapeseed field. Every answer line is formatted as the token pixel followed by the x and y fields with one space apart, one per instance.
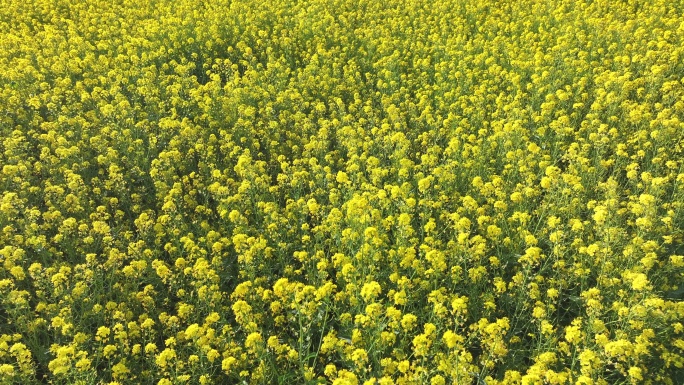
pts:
pixel 342 192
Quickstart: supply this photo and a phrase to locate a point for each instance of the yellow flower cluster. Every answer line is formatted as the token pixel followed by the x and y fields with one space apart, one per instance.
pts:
pixel 341 192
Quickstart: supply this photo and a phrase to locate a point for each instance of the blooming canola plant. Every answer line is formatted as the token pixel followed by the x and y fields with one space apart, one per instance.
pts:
pixel 341 192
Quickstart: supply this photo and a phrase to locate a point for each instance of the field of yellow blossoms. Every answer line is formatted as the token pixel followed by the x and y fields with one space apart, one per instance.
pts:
pixel 342 192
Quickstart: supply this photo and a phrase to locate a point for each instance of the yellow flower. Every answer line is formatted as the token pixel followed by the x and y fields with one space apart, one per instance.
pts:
pixel 120 370
pixel 212 355
pixel 547 327
pixel 452 339
pixel 370 291
pixel 253 341
pixel 359 356
pixel 165 357
pixel 148 323
pixel 639 281
pixel 408 321
pixel 345 377
pixel 421 345
pixel 460 305
pixel 18 273
pixel 403 366
pixel 342 177
pixel 150 348
pixel 573 333
pixel 635 374
pixel 437 380
pixel 192 331
pixel 539 311
pixel 228 364
pixel 6 371
pixel 102 333
pixel 424 184
pixel 109 350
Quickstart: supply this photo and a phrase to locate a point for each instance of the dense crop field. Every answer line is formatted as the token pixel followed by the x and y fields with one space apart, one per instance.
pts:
pixel 341 192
